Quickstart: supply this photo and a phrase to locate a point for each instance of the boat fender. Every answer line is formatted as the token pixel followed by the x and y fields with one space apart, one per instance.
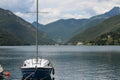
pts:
pixel 53 71
pixel 7 74
pixel 53 78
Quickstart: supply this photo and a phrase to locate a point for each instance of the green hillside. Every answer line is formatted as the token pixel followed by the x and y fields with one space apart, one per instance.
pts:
pixel 109 26
pixel 21 29
pixel 7 38
pixel 111 38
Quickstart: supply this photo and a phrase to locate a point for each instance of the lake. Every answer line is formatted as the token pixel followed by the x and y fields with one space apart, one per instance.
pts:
pixel 70 62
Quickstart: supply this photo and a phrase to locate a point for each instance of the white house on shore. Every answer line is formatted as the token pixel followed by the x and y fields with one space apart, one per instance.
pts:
pixel 79 43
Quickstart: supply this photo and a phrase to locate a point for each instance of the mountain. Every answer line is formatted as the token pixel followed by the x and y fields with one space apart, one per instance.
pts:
pixel 21 29
pixel 7 38
pixel 95 20
pixel 114 11
pixel 108 30
pixel 63 30
pixel 40 26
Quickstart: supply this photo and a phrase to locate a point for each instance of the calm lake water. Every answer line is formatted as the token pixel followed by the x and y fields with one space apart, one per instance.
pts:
pixel 70 62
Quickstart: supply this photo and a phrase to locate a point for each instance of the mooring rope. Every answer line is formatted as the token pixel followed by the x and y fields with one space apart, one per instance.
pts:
pixel 31 74
pixel 44 78
pixel 33 79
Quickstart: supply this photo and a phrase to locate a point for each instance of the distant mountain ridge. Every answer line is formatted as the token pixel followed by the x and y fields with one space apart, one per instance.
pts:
pixel 22 31
pixel 113 12
pixel 63 30
pixel 106 33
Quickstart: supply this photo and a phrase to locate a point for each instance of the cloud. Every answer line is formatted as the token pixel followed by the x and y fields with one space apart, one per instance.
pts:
pixel 77 8
pixel 58 9
pixel 16 5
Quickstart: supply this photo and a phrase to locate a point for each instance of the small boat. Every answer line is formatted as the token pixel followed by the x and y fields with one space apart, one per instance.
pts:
pixel 37 68
pixel 4 74
pixel 1 73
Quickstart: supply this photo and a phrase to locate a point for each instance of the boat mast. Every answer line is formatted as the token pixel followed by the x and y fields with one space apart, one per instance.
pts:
pixel 37 31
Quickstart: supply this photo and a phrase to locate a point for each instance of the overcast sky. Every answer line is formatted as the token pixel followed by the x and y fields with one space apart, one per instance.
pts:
pixel 58 9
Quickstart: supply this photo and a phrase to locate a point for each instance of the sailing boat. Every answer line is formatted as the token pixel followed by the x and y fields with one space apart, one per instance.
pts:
pixel 37 68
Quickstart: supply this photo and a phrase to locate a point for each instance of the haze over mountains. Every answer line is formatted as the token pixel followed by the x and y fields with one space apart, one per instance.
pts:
pixel 62 30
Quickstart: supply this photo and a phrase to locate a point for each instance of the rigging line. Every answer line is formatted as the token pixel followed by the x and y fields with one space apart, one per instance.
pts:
pixel 38 12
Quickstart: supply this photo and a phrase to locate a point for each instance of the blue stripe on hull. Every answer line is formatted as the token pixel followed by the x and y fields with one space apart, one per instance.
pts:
pixel 38 73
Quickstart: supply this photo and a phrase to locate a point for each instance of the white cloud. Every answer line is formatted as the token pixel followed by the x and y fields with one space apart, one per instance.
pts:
pixel 22 14
pixel 58 9
pixel 51 11
pixel 26 16
pixel 78 8
pixel 16 5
